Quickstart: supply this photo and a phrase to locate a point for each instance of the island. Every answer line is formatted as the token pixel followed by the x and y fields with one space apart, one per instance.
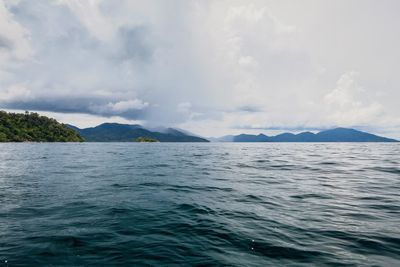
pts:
pixel 116 132
pixel 146 140
pixel 325 136
pixel 31 127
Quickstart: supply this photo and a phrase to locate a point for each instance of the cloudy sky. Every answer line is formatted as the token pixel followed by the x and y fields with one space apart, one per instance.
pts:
pixel 210 67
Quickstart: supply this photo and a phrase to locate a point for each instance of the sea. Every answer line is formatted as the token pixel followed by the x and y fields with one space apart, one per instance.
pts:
pixel 199 204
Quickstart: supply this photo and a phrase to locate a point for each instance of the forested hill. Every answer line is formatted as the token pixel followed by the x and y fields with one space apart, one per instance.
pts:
pixel 30 127
pixel 115 132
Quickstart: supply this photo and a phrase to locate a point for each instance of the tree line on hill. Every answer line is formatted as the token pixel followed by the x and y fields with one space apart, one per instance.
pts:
pixel 31 127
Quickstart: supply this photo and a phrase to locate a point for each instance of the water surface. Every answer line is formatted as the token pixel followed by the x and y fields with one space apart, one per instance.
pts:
pixel 124 204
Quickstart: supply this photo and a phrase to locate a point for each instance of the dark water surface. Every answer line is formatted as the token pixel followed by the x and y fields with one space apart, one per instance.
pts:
pixel 127 204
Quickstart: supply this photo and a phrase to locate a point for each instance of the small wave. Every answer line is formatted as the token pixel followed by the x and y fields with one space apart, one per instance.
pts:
pixel 160 165
pixel 387 207
pixel 253 197
pixel 311 195
pixel 386 169
pixel 361 216
pixel 262 161
pixel 197 209
pixel 243 165
pixel 284 167
pixel 119 185
pixel 328 163
pixel 152 184
pixel 286 252
pixel 198 188
pixel 201 155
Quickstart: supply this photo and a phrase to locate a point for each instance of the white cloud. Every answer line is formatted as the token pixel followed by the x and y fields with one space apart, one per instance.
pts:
pixel 89 14
pixel 347 103
pixel 17 92
pixel 14 39
pixel 123 106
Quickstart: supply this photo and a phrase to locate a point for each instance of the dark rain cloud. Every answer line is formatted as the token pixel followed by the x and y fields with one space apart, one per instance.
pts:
pixel 86 105
pixel 71 66
pixel 133 44
pixel 249 109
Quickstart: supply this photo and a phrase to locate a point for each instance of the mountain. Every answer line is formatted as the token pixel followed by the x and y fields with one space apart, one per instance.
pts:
pixel 349 135
pixel 333 135
pixel 30 127
pixel 250 138
pixel 115 132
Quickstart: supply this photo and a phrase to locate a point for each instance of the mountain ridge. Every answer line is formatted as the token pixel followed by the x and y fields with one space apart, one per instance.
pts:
pixel 116 132
pixel 339 134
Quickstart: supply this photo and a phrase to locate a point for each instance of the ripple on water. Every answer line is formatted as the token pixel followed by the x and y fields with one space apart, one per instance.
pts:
pixel 199 205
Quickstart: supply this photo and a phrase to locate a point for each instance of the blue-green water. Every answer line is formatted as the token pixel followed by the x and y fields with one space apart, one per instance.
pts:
pixel 127 204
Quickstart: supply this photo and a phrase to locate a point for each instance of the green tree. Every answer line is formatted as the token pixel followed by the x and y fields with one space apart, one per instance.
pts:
pixel 16 127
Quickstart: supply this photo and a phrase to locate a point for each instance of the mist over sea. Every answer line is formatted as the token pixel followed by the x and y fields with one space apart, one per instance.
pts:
pixel 192 204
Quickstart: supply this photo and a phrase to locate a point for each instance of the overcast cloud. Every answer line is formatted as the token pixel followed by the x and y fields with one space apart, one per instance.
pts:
pixel 210 67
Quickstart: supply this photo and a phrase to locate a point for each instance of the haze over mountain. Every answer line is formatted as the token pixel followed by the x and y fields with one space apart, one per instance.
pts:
pixel 333 135
pixel 115 132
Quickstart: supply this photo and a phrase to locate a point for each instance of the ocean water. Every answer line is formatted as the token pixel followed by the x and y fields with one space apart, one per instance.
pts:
pixel 227 204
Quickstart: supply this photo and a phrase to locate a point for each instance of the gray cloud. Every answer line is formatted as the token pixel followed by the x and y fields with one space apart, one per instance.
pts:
pixel 5 43
pixel 88 105
pixel 73 71
pixel 249 108
pixel 133 44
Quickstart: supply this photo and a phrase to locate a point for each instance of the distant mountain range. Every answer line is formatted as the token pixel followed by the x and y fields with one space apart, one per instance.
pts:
pixel 115 132
pixel 31 127
pixel 333 135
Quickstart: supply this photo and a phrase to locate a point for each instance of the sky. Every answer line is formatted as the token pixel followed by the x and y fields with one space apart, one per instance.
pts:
pixel 209 67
